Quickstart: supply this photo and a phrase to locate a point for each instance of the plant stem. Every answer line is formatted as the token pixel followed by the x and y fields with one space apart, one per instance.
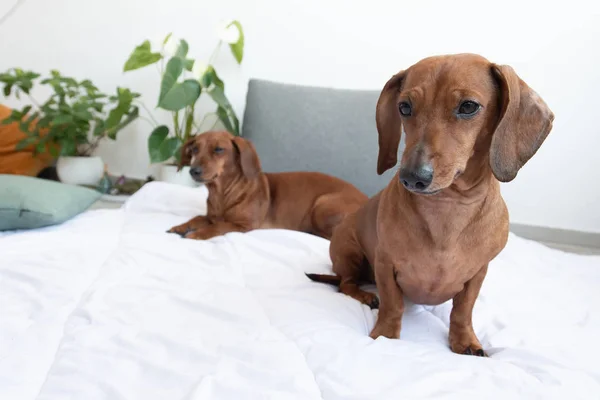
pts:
pixel 151 122
pixel 162 59
pixel 35 103
pixel 215 124
pixel 199 126
pixel 11 10
pixel 93 144
pixel 176 124
pixel 214 53
pixel 148 111
pixel 189 121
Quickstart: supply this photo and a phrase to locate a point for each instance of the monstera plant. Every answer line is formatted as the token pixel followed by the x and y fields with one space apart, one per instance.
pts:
pixel 183 82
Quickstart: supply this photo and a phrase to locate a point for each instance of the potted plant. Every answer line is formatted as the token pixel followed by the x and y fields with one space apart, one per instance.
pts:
pixel 183 81
pixel 70 123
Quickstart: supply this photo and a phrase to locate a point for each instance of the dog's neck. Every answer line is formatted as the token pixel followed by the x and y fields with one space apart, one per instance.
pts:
pixel 462 202
pixel 228 190
pixel 474 182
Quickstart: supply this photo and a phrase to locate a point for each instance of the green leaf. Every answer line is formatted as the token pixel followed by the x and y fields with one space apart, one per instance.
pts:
pixel 224 118
pixel 82 114
pixel 182 50
pixel 181 95
pixel 141 56
pixel 31 118
pixel 69 82
pixel 16 115
pixel 6 77
pixel 86 83
pixel 97 106
pixel 25 110
pixel 169 148
pixel 218 95
pixel 160 147
pixel 45 121
pixel 216 89
pixel 7 90
pixel 53 150
pixel 25 143
pixel 98 127
pixel 61 119
pixel 68 148
pixel 210 77
pixel 115 122
pixel 131 116
pixel 237 48
pixel 167 38
pixel 188 64
pixel 236 122
pixel 172 72
pixel 156 139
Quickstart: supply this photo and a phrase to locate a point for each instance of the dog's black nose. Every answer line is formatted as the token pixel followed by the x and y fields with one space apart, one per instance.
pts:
pixel 417 179
pixel 196 172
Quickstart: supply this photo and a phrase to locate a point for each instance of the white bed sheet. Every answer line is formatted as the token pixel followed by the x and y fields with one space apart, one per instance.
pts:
pixel 108 306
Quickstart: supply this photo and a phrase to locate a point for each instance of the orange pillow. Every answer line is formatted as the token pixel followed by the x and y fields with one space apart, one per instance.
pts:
pixel 21 162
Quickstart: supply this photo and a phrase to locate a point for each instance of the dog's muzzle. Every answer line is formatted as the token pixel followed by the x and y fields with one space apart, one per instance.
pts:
pixel 417 179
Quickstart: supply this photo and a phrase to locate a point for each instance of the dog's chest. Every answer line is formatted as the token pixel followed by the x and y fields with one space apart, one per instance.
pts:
pixel 433 278
pixel 432 275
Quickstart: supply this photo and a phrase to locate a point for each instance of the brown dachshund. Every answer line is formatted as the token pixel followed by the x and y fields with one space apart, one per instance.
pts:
pixel 430 234
pixel 242 198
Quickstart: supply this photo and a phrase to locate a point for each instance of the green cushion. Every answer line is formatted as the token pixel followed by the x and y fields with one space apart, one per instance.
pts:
pixel 28 203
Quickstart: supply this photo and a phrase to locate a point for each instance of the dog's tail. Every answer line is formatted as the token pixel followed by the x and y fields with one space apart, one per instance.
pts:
pixel 322 278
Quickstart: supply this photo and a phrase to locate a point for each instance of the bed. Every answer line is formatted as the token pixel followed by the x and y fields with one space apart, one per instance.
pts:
pixel 109 306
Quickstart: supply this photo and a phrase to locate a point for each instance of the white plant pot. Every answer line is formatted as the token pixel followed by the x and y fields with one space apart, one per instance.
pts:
pixel 168 173
pixel 80 170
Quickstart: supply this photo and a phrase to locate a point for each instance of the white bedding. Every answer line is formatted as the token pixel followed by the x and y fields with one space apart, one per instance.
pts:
pixel 108 306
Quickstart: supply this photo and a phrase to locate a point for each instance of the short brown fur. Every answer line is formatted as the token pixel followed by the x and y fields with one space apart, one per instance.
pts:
pixel 242 198
pixel 435 246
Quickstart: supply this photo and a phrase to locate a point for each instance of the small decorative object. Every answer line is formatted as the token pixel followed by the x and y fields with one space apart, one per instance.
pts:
pixel 124 186
pixel 70 123
pixel 105 184
pixel 183 81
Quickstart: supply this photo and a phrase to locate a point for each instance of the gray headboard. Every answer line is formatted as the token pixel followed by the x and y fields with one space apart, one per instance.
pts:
pixel 302 128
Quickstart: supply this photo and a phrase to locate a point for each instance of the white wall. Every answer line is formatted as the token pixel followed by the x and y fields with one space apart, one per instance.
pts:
pixel 354 44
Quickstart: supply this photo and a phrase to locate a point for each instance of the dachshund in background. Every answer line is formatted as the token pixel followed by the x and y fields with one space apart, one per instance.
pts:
pixel 430 234
pixel 241 197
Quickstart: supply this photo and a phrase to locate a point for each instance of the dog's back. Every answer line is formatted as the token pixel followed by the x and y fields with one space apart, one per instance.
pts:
pixel 310 201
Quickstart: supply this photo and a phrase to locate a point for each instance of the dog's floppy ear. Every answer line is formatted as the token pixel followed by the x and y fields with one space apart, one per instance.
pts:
pixel 248 158
pixel 186 153
pixel 389 126
pixel 524 123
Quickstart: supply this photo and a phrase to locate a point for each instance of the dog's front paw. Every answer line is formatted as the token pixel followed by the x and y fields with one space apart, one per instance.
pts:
pixel 389 330
pixel 473 351
pixel 180 230
pixel 194 235
pixel 466 343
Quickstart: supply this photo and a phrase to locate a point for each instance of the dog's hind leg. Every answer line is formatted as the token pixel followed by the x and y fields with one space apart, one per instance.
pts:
pixel 350 263
pixel 329 210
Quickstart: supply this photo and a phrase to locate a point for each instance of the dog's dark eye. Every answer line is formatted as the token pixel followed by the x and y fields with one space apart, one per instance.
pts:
pixel 218 150
pixel 468 108
pixel 405 109
pixel 195 150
